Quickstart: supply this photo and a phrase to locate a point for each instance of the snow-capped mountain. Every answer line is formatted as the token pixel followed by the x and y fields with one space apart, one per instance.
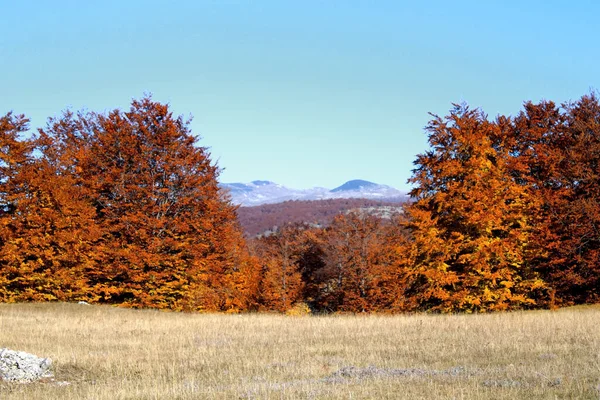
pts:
pixel 264 192
pixel 357 184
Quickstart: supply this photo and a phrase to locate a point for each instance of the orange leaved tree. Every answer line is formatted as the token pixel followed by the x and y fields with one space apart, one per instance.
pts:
pixel 167 237
pixel 470 221
pixel 46 226
pixel 280 255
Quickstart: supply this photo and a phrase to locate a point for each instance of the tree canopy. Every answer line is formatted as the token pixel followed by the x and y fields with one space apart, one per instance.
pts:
pixel 125 208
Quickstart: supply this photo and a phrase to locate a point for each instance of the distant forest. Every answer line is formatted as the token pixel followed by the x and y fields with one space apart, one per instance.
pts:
pixel 267 218
pixel 124 208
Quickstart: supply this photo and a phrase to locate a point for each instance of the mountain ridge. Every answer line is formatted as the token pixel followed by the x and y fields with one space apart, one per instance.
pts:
pixel 260 192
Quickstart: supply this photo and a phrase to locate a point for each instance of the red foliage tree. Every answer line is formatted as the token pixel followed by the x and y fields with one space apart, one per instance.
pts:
pixel 556 155
pixel 46 224
pixel 360 273
pixel 579 217
pixel 126 208
pixel 281 284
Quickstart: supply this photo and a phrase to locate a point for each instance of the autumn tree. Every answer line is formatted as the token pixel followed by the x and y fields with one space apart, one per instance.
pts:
pixel 312 266
pixel 124 207
pixel 167 235
pixel 46 224
pixel 360 265
pixel 14 154
pixel 580 216
pixel 470 221
pixel 556 154
pixel 281 284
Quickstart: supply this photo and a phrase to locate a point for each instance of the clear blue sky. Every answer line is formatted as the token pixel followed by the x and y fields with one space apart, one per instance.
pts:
pixel 303 93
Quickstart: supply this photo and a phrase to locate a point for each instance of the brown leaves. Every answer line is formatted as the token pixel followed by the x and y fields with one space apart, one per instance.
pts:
pixel 125 208
pixel 120 208
pixel 350 266
pixel 561 155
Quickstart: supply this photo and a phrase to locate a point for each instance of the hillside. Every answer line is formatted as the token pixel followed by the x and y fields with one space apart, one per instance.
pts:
pixel 258 219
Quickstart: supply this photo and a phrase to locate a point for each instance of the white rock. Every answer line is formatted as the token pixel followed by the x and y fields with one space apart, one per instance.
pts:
pixel 21 367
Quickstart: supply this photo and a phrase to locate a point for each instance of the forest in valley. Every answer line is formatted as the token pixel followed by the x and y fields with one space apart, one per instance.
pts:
pixel 267 218
pixel 124 208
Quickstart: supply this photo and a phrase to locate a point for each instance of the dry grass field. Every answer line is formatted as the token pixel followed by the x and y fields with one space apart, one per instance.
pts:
pixel 112 353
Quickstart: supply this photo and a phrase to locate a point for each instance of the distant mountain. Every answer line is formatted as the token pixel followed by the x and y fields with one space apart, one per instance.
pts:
pixel 265 192
pixel 237 188
pixel 356 184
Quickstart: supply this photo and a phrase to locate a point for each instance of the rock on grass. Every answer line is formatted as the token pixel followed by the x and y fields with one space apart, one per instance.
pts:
pixel 21 367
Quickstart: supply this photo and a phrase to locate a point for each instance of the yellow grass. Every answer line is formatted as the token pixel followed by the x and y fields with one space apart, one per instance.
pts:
pixel 111 353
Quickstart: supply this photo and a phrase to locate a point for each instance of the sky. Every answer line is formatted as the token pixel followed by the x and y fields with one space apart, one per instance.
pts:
pixel 303 93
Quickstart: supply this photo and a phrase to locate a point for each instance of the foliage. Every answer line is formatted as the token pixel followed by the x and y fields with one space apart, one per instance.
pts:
pixel 260 220
pixel 557 156
pixel 351 266
pixel 470 221
pixel 124 208
pixel 281 283
pixel 359 266
pixel 299 310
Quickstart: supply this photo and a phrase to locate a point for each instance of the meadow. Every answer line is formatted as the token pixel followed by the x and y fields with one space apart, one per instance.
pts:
pixel 104 352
